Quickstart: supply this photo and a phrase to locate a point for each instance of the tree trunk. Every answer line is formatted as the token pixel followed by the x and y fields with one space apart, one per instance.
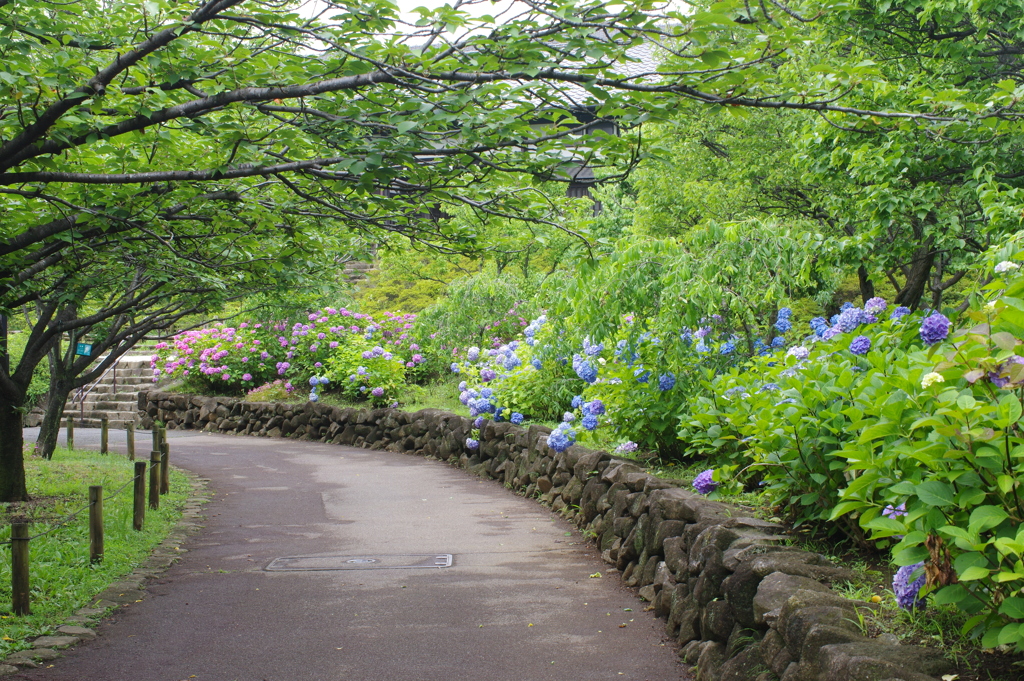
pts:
pixel 49 429
pixel 867 287
pixel 917 278
pixel 61 385
pixel 12 462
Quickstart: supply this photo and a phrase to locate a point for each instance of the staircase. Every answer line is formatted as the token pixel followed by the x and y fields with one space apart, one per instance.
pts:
pixel 115 395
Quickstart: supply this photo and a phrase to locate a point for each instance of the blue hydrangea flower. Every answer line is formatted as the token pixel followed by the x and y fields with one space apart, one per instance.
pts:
pixel 314 381
pixel 768 387
pixel 851 318
pixel 845 306
pixel 831 332
pixel 595 407
pixel 819 325
pixel 463 386
pixel 783 325
pixel 471 443
pixel 784 313
pixel 536 364
pixel 906 590
pixel 473 354
pixel 486 392
pixel 455 368
pixel 586 371
pixel 641 375
pixel 666 381
pixel 479 423
pixel 778 342
pixel 899 312
pixel 727 348
pixel 498 418
pixel 934 328
pixel 705 483
pixel 511 362
pixel 313 397
pixel 464 397
pixel 558 440
pixel 577 401
pixel 860 345
pixel 589 422
pixel 568 417
pixel 516 418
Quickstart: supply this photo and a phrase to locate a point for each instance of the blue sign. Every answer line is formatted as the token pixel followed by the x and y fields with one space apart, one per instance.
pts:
pixel 84 349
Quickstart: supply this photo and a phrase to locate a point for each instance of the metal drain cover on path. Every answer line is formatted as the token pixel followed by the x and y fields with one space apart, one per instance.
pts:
pixel 313 563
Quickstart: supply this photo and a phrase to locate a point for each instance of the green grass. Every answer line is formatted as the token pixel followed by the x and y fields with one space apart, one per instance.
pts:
pixel 61 577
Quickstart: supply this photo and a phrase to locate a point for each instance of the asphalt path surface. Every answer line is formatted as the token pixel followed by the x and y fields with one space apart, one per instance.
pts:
pixel 522 600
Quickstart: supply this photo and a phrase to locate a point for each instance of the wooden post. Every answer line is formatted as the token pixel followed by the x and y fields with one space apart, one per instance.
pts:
pixel 95 523
pixel 71 433
pixel 165 455
pixel 104 432
pixel 131 440
pixel 19 569
pixel 139 516
pixel 156 437
pixel 154 479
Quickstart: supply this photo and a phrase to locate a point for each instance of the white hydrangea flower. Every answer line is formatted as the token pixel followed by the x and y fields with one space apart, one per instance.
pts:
pixel 931 379
pixel 1006 266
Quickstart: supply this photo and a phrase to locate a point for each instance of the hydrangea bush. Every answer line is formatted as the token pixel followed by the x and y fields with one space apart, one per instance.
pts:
pixel 225 359
pixel 911 439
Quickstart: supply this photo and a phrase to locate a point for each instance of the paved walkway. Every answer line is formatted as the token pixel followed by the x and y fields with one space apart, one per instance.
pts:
pixel 518 603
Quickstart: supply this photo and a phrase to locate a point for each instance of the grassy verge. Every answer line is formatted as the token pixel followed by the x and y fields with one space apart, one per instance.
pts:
pixel 61 576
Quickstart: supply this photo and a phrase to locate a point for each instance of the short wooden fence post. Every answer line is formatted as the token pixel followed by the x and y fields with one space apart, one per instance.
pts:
pixel 19 569
pixel 154 479
pixel 95 523
pixel 104 434
pixel 165 456
pixel 156 437
pixel 139 516
pixel 71 433
pixel 131 441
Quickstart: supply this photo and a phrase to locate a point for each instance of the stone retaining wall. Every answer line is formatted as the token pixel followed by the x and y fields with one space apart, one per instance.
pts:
pixel 742 603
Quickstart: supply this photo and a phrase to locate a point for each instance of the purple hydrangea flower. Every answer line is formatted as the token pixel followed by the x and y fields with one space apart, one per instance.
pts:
pixel 899 312
pixel 875 305
pixel 628 446
pixel 860 345
pixel 891 511
pixel 705 483
pixel 377 392
pixel 906 590
pixel 594 407
pixel 934 328
pixel 246 377
pixel 516 418
pixel 471 443
pixel 473 354
pixel 831 332
pixel 487 375
pixel 800 352
pixel 479 423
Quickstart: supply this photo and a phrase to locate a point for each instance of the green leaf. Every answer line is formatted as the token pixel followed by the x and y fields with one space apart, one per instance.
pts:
pixel 935 493
pixel 986 517
pixel 974 573
pixel 1013 607
pixel 954 593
